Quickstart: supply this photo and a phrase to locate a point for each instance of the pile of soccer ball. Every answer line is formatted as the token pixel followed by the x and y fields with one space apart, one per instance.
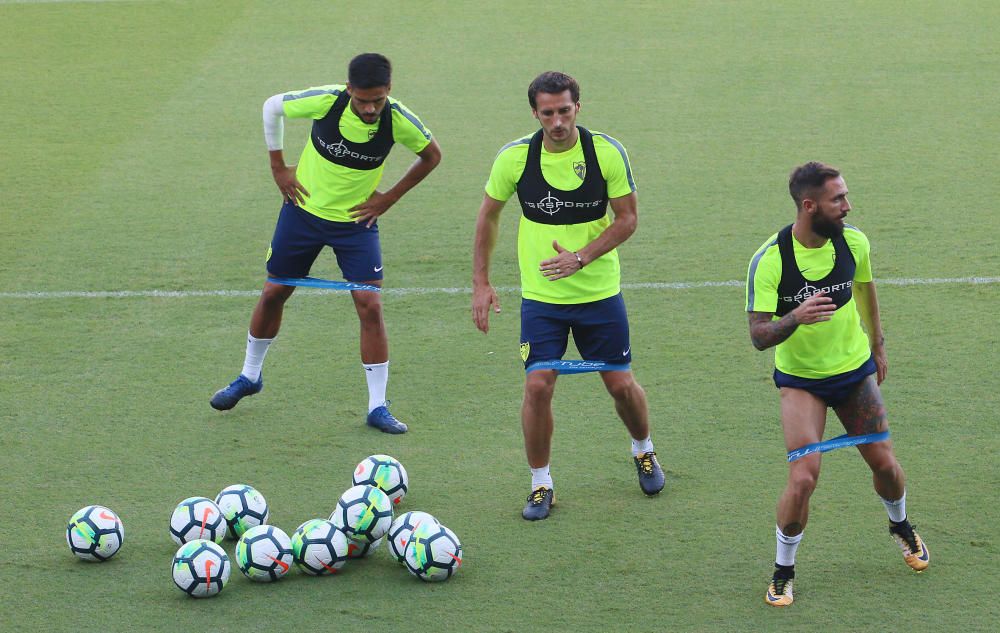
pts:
pixel 361 521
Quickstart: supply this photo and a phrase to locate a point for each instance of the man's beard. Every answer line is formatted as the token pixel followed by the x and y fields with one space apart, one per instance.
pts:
pixel 827 228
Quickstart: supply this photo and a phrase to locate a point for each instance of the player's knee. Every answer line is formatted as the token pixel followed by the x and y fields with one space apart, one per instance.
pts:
pixel 274 295
pixel 538 388
pixel 802 482
pixel 370 312
pixel 623 389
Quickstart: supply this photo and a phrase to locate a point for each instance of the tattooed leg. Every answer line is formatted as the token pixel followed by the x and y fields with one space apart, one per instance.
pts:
pixel 864 413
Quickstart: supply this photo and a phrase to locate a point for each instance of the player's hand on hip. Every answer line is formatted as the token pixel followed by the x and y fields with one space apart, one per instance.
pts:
pixel 370 210
pixel 484 297
pixel 816 308
pixel 289 186
pixel 564 264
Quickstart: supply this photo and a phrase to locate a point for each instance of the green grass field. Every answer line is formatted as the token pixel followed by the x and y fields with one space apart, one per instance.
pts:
pixel 134 161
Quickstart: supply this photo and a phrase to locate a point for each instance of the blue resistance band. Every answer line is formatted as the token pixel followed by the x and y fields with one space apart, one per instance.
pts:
pixel 314 282
pixel 841 441
pixel 576 366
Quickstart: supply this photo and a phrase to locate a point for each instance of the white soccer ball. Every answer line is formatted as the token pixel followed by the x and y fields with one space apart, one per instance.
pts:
pixel 95 533
pixel 264 553
pixel 319 548
pixel 362 549
pixel 434 553
pixel 401 530
pixel 364 513
pixel 201 568
pixel 385 473
pixel 197 518
pixel 243 506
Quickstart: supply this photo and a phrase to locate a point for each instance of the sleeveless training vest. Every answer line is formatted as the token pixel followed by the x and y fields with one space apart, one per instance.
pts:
pixel 543 203
pixel 793 288
pixel 331 144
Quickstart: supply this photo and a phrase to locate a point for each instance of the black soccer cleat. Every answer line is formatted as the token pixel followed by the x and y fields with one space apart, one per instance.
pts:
pixel 539 504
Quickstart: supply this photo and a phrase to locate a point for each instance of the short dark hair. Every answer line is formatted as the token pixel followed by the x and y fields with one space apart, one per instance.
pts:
pixel 369 70
pixel 553 82
pixel 806 179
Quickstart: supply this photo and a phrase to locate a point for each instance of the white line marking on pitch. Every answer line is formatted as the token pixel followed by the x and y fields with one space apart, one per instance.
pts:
pixel 665 285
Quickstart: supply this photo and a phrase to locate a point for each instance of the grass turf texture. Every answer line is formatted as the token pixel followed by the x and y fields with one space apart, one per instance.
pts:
pixel 134 161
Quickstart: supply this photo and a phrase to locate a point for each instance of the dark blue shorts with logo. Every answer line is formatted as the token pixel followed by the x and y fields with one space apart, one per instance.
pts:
pixel 299 236
pixel 600 330
pixel 835 390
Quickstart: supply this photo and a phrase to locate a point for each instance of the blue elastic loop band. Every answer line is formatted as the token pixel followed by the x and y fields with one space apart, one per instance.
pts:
pixel 576 366
pixel 841 441
pixel 315 282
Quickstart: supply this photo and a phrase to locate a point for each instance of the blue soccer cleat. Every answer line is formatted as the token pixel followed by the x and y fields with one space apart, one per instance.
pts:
pixel 651 478
pixel 381 419
pixel 226 398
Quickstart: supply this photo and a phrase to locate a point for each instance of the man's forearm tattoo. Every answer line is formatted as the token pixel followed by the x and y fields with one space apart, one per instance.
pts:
pixel 765 333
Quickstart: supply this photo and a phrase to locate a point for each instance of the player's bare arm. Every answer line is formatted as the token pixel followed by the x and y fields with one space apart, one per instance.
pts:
pixel 484 296
pixel 284 176
pixel 565 263
pixel 378 203
pixel 765 332
pixel 867 302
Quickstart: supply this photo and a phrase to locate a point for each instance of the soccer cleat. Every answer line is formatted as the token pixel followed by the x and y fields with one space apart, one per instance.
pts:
pixel 539 504
pixel 381 419
pixel 226 398
pixel 779 592
pixel 650 474
pixel 915 553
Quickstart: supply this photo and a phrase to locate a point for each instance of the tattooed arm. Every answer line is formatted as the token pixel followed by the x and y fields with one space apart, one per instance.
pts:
pixel 765 333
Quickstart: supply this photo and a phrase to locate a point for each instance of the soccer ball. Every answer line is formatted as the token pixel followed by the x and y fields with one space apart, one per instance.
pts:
pixel 363 549
pixel 243 506
pixel 264 553
pixel 201 568
pixel 95 533
pixel 401 530
pixel 197 518
pixel 364 513
pixel 385 473
pixel 319 548
pixel 434 552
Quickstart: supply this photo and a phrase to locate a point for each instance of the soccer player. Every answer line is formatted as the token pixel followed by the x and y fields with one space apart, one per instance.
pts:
pixel 809 289
pixel 331 199
pixel 565 176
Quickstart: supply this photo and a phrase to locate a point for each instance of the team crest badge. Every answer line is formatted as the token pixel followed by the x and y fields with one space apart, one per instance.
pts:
pixel 525 350
pixel 580 168
pixel 371 134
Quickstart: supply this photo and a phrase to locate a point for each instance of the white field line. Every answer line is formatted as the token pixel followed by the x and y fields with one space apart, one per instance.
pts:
pixel 676 285
pixel 3 2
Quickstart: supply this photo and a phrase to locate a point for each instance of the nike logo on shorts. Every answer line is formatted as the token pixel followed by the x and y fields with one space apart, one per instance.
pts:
pixel 378 268
pixel 627 349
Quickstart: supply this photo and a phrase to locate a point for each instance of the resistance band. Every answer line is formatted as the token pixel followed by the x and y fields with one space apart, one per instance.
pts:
pixel 841 441
pixel 315 282
pixel 576 366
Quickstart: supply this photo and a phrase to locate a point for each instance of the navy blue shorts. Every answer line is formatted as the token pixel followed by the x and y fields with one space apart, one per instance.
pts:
pixel 600 330
pixel 299 236
pixel 835 390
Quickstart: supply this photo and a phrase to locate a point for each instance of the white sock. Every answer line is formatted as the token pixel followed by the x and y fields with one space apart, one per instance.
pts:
pixel 254 360
pixel 378 377
pixel 541 477
pixel 642 446
pixel 787 545
pixel 896 509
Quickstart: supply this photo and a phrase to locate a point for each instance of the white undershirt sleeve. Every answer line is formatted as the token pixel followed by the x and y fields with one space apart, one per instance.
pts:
pixel 274 122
